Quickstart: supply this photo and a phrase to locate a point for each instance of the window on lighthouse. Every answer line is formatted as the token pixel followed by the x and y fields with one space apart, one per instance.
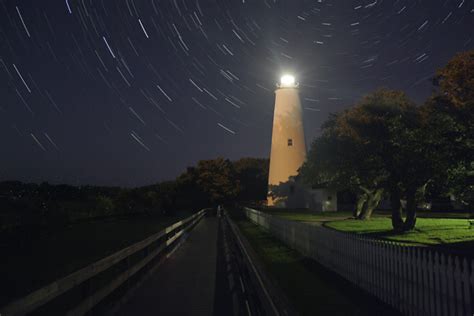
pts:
pixel 290 142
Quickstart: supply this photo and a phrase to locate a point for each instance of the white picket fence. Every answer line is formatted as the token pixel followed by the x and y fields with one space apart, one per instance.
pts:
pixel 414 280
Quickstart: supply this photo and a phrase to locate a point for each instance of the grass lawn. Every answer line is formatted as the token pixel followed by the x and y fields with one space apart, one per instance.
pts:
pixel 28 267
pixel 428 231
pixel 449 232
pixel 312 289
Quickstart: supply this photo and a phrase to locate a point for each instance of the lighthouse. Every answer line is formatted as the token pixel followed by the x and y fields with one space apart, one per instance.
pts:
pixel 288 150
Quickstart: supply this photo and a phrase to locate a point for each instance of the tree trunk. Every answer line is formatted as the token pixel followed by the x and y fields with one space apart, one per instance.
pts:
pixel 397 220
pixel 373 200
pixel 361 202
pixel 411 211
pixel 398 223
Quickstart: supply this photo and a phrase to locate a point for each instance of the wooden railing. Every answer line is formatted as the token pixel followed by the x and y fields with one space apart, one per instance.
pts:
pixel 413 280
pixel 268 295
pixel 151 246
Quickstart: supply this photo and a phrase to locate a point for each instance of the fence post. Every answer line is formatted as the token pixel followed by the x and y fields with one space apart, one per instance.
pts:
pixel 450 280
pixel 381 269
pixel 406 280
pixel 364 266
pixel 425 283
pixel 437 284
pixel 371 269
pixel 432 292
pixel 359 263
pixel 354 259
pixel 411 279
pixel 386 274
pixel 466 288
pixel 398 278
pixel 443 285
pixel 416 282
pixel 458 287
pixel 400 281
pixel 395 276
pixel 376 267
pixel 471 280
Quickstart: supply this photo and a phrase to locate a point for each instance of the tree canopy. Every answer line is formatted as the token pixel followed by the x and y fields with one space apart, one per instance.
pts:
pixel 386 144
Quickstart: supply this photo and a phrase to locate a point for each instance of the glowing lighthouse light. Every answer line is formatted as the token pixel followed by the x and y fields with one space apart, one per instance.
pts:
pixel 287 81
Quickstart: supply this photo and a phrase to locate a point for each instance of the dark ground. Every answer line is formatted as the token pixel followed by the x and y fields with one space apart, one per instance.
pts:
pixel 28 265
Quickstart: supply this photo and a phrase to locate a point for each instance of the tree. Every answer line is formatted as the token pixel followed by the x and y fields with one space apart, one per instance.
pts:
pixel 449 114
pixel 390 128
pixel 456 80
pixel 413 167
pixel 220 181
pixel 124 202
pixel 374 147
pixel 190 194
pixel 104 205
pixel 217 178
pixel 167 195
pixel 337 159
pixel 252 174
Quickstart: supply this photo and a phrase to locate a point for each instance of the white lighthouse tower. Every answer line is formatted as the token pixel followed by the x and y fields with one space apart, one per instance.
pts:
pixel 288 151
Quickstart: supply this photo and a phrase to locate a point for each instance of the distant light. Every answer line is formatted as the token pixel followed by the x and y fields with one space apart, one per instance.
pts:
pixel 287 81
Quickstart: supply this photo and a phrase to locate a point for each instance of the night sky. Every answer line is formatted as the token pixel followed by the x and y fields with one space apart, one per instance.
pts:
pixel 130 92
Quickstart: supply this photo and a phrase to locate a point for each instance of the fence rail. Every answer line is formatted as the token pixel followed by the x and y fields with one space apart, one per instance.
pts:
pixel 413 280
pixel 266 296
pixel 164 239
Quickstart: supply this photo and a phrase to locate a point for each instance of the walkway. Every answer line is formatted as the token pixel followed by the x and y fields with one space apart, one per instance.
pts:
pixel 185 283
pixel 204 276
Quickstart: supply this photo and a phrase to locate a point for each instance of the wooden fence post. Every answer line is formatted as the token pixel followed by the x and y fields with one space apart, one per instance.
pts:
pixel 450 281
pixel 425 283
pixel 400 278
pixel 353 258
pixel 444 285
pixel 378 266
pixel 466 288
pixel 418 283
pixel 432 292
pixel 393 276
pixel 437 284
pixel 386 272
pixel 471 281
pixel 406 280
pixel 458 299
pixel 411 281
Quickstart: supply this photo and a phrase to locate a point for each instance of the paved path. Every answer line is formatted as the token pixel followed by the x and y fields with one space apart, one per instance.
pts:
pixel 185 283
pixel 202 277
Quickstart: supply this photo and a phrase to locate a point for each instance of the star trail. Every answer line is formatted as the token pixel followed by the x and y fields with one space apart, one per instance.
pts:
pixel 130 92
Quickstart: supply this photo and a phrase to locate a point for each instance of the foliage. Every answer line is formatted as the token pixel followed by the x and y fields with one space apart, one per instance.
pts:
pixel 105 205
pixel 218 180
pixel 252 174
pixel 370 149
pixel 32 207
pixel 449 114
pixel 386 143
pixel 456 80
